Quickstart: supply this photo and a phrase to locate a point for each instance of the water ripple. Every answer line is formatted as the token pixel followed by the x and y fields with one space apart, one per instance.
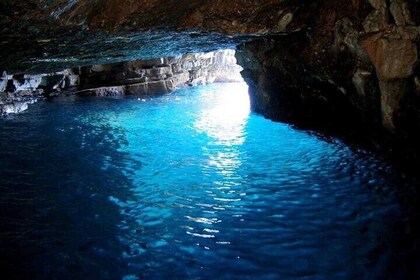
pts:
pixel 190 186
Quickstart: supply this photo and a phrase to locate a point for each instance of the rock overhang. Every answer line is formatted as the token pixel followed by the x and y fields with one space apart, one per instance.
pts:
pixel 44 36
pixel 82 48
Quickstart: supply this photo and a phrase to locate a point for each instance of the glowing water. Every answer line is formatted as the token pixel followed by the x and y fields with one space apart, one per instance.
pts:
pixel 189 186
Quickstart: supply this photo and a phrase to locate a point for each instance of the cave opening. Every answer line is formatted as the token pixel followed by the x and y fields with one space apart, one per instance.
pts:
pixel 142 78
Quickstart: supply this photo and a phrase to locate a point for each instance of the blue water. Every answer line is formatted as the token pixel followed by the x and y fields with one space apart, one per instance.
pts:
pixel 192 185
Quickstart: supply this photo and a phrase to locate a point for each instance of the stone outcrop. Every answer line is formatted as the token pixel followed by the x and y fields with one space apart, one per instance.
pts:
pixel 392 49
pixel 17 91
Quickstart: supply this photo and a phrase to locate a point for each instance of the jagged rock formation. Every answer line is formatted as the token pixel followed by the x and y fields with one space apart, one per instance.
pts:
pixel 139 77
pixel 17 91
pixel 161 75
pixel 322 64
pixel 357 68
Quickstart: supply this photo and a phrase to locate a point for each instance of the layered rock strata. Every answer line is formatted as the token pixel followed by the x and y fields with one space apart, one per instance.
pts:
pixel 139 77
pixel 161 75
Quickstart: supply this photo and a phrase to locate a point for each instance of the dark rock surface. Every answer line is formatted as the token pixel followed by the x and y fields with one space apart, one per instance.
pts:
pixel 353 74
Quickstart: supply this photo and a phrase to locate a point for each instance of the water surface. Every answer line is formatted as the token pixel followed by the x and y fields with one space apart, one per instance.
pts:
pixel 192 186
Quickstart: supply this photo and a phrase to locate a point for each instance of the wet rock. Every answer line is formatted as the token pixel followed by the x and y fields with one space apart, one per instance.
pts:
pixel 52 82
pixel 394 59
pixel 284 22
pixel 163 75
pixel 392 56
pixel 104 91
pixel 287 89
pixel 401 13
pixel 377 20
pixel 13 108
pixel 392 94
pixel 138 77
pixel 3 81
pixel 378 4
pixel 25 82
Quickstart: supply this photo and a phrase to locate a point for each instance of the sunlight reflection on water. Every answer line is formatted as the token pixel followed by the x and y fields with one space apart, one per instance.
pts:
pixel 225 120
pixel 189 185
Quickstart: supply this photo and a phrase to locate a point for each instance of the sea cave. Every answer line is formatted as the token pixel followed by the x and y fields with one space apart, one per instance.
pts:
pixel 242 139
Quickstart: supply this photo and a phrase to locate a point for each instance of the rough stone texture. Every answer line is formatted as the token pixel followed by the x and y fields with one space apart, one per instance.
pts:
pixel 47 35
pixel 284 87
pixel 355 69
pixel 394 59
pixel 401 13
pixel 17 102
pixel 104 91
pixel 377 20
pixel 161 75
pixel 13 108
pixel 139 77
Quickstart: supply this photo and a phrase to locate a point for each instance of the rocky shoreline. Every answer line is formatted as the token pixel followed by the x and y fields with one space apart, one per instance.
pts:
pixel 140 77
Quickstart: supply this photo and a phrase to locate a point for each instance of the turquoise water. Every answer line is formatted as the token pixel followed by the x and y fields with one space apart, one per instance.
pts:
pixel 192 185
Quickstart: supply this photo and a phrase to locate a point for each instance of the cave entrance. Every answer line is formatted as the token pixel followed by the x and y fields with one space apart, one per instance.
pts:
pixel 142 78
pixel 158 76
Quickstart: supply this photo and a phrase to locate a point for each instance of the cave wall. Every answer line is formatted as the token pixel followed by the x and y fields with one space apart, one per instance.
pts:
pixel 161 75
pixel 355 70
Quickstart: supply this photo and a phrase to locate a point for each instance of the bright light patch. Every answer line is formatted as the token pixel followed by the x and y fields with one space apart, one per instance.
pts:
pixel 226 118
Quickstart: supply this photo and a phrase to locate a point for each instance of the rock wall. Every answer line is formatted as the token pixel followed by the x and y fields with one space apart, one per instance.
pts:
pixel 161 75
pixel 284 87
pixel 139 77
pixel 17 91
pixel 356 71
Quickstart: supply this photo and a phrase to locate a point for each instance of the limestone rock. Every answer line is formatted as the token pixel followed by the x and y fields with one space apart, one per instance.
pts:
pixel 163 75
pixel 360 80
pixel 392 93
pixel 24 82
pixel 284 22
pixel 377 20
pixel 378 4
pixel 151 88
pixel 3 82
pixel 400 12
pixel 13 108
pixel 104 91
pixel 393 57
